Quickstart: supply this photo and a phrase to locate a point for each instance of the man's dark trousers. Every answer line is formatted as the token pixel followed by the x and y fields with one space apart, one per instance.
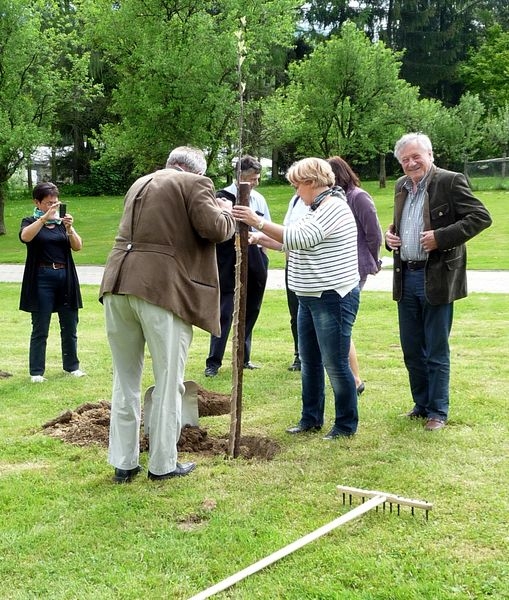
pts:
pixel 256 281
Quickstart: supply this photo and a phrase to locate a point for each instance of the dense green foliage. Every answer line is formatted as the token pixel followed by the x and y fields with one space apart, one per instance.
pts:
pixel 121 83
pixel 345 98
pixel 40 71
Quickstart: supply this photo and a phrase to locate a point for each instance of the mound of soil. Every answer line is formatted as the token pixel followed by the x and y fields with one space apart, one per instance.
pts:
pixel 4 374
pixel 89 424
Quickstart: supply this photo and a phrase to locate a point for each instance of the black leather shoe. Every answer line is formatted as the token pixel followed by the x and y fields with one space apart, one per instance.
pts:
pixel 414 414
pixel 295 366
pixel 249 365
pixel 302 429
pixel 360 388
pixel 181 470
pixel 336 433
pixel 211 371
pixel 126 475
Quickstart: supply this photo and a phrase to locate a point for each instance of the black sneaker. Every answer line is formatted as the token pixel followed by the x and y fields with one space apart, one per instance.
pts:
pixel 211 371
pixel 251 366
pixel 302 428
pixel 295 366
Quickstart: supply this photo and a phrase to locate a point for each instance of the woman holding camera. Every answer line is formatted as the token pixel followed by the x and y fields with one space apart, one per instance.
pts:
pixel 50 281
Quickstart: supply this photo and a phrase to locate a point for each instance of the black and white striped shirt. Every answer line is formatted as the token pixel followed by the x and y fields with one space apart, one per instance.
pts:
pixel 322 248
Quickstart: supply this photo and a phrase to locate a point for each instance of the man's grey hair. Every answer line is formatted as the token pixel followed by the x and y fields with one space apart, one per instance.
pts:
pixel 410 138
pixel 188 158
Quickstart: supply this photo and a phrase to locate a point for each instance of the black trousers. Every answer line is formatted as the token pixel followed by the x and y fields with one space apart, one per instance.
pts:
pixel 255 290
pixel 293 308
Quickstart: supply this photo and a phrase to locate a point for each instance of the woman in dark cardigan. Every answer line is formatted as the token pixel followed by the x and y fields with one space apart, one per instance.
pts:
pixel 369 236
pixel 50 281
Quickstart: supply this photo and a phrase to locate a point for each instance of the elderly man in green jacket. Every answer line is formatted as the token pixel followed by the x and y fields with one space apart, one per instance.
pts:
pixel 435 214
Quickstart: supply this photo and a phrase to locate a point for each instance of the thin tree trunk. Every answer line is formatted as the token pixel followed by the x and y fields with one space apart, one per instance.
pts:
pixel 30 183
pixel 53 164
pixel 382 176
pixel 274 173
pixel 3 230
pixel 239 324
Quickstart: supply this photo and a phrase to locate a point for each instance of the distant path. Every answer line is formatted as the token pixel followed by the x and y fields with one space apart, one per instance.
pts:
pixel 496 282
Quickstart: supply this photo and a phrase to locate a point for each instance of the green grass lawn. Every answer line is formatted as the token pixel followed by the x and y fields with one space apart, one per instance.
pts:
pixel 97 220
pixel 68 533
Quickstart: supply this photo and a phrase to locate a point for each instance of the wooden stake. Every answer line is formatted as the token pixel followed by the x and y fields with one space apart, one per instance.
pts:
pixel 239 323
pixel 272 558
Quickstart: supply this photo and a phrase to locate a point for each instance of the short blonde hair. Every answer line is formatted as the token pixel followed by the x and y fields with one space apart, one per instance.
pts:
pixel 315 171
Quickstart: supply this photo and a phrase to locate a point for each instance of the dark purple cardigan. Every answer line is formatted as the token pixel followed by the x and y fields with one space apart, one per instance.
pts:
pixel 369 233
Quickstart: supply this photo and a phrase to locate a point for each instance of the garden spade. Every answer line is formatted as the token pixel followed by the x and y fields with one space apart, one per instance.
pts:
pixel 189 405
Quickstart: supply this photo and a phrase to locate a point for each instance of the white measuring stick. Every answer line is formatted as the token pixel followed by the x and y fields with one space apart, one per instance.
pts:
pixel 272 558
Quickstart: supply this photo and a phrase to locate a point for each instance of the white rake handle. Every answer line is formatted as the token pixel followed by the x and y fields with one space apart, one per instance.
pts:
pixel 272 558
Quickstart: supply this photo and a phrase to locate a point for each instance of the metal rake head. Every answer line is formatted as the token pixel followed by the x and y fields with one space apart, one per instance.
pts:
pixel 385 498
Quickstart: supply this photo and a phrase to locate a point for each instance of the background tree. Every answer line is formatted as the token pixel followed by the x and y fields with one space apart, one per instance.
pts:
pixel 345 98
pixel 436 36
pixel 176 70
pixel 32 38
pixel 486 72
pixel 497 132
pixel 458 134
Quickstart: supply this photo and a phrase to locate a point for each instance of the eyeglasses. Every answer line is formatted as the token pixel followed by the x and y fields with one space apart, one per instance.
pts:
pixel 48 200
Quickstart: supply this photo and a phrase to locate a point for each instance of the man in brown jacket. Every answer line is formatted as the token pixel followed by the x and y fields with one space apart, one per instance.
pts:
pixel 160 279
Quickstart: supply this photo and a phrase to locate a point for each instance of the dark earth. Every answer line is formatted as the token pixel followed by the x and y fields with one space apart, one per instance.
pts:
pixel 89 424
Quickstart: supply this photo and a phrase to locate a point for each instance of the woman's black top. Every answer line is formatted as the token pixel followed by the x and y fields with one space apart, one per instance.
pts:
pixel 50 245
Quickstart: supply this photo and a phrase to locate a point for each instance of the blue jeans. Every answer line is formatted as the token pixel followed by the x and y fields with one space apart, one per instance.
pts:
pixel 424 334
pixel 325 328
pixel 51 293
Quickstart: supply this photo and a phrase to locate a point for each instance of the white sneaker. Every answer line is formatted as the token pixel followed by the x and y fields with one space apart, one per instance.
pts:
pixel 38 378
pixel 77 373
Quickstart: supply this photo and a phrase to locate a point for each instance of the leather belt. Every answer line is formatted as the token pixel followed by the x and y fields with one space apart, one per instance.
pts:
pixel 413 265
pixel 53 265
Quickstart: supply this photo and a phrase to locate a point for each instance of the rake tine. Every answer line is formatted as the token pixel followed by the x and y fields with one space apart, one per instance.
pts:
pixel 391 498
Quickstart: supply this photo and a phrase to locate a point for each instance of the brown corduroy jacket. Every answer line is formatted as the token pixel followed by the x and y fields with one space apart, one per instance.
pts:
pixel 164 251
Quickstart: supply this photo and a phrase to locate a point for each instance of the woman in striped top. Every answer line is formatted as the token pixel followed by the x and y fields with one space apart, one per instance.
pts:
pixel 323 272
